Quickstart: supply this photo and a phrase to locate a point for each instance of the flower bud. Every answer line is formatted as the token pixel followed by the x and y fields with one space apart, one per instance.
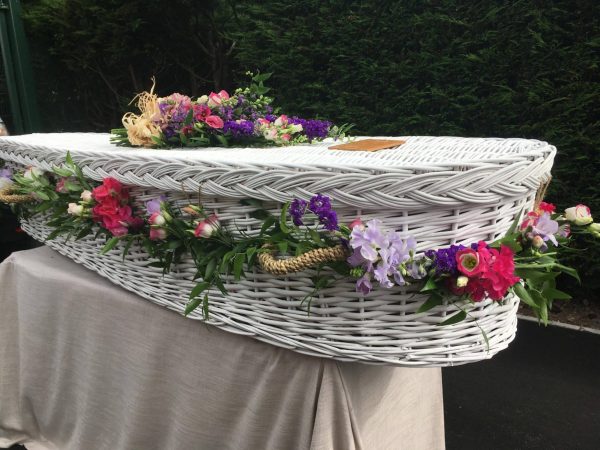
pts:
pixel 207 228
pixel 594 228
pixel 537 242
pixel 167 216
pixel 86 196
pixel 75 209
pixel 157 219
pixel 580 215
pixel 357 223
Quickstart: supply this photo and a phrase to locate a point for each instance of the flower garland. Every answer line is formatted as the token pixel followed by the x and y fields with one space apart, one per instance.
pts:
pixel 218 119
pixel 523 262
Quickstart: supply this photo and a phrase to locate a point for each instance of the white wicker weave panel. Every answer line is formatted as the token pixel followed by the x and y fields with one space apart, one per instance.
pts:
pixel 445 172
pixel 381 329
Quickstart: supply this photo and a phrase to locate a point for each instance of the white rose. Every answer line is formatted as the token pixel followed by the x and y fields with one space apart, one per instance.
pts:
pixel 296 128
pixel 75 209
pixel 579 215
pixel 86 196
pixel 32 172
pixel 203 100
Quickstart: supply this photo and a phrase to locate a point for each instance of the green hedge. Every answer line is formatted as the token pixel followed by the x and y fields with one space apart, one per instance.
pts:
pixel 520 69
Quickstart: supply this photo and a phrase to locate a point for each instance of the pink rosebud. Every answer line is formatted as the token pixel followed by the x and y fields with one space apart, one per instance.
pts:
pixel 156 219
pixel 286 137
pixel 207 228
pixel 357 223
pixel 224 95
pixel 60 186
pixel 216 99
pixel 579 215
pixel 158 234
pixel 214 122
pixel 263 121
pixel 468 261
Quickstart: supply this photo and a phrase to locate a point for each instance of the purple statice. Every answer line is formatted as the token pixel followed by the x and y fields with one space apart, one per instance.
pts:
pixel 312 128
pixel 320 205
pixel 381 256
pixel 270 117
pixel 297 210
pixel 444 259
pixel 239 128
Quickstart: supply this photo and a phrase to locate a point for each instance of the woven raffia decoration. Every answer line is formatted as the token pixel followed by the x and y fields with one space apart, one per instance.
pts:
pixel 8 196
pixel 308 260
pixel 440 190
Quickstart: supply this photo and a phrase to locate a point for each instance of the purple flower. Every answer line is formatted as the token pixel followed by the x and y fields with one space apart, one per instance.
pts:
pixel 297 210
pixel 153 206
pixel 444 259
pixel 312 129
pixel 329 220
pixel 380 254
pixel 546 228
pixel 319 203
pixel 6 173
pixel 239 128
pixel 363 284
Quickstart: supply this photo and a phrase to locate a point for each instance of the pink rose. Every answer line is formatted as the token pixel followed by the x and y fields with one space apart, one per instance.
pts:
pixel 217 99
pixel 468 262
pixel 214 122
pixel 286 137
pixel 207 228
pixel 579 215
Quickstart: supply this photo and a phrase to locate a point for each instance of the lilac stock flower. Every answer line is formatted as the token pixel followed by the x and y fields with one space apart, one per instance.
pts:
pixel 546 228
pixel 363 284
pixel 6 173
pixel 380 254
pixel 153 206
pixel 297 210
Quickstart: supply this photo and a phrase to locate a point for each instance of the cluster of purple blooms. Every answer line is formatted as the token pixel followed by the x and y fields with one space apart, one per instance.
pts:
pixel 319 205
pixel 383 256
pixel 444 259
pixel 239 128
pixel 312 128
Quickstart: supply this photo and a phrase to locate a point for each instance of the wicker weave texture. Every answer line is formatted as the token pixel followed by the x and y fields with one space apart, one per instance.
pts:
pixel 442 191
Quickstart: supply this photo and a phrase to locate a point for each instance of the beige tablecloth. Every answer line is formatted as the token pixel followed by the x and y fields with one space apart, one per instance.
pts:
pixel 85 365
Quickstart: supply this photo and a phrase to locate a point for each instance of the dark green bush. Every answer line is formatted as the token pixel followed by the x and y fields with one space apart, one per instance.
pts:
pixel 488 68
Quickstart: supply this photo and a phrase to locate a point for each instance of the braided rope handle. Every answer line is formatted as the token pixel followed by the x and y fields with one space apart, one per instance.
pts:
pixel 312 258
pixel 8 196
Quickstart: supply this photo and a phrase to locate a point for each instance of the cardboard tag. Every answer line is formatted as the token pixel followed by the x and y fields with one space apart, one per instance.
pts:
pixel 368 145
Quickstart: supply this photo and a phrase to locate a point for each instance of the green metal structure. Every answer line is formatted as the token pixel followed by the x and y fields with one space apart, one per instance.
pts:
pixel 17 69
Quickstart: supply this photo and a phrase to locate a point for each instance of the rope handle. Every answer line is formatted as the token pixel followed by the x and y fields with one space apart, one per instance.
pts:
pixel 8 196
pixel 312 258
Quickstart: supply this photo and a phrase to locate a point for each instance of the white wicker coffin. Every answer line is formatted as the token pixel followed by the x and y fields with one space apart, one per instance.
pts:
pixel 441 190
